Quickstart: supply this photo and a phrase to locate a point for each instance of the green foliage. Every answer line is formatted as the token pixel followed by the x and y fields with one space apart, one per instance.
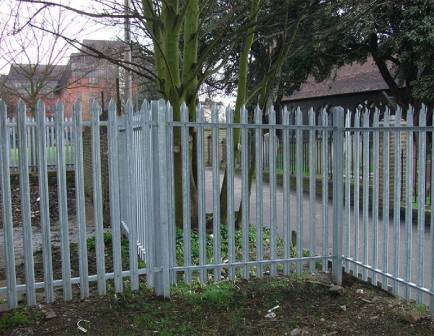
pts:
pixel 13 319
pixel 421 308
pixel 215 294
pixel 91 241
pixel 224 243
pixel 399 35
pixel 238 238
pixel 91 245
pixel 333 33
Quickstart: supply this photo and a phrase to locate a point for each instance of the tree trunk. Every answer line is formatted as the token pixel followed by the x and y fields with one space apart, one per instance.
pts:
pixel 172 83
pixel 241 98
pixel 190 83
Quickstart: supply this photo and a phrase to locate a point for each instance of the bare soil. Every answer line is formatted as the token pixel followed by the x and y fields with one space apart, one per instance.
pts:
pixel 304 305
pixel 35 198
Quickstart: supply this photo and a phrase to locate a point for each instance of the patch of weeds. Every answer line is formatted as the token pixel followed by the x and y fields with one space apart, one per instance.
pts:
pixel 220 294
pixel 14 319
pixel 215 294
pixel 224 244
pixel 91 246
pixel 169 327
pixel 280 283
pixel 91 241
pixel 187 293
pixel 276 283
pixel 145 320
pixel 299 277
pixel 421 308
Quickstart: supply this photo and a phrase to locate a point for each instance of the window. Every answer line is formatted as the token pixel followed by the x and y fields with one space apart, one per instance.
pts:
pixel 74 66
pixel 93 77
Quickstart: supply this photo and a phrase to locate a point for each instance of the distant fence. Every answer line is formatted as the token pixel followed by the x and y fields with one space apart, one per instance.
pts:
pixel 353 223
pixel 50 140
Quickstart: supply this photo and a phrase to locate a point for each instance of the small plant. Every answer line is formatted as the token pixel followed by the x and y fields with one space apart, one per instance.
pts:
pixel 14 319
pixel 219 294
pixel 91 241
pixel 224 244
pixel 421 308
pixel 215 294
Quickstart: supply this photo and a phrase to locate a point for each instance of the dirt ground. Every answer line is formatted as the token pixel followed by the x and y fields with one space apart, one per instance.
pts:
pixel 303 305
pixel 35 197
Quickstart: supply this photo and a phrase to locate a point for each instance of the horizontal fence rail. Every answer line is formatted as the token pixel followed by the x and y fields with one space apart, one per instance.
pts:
pixel 31 147
pixel 71 250
pixel 167 198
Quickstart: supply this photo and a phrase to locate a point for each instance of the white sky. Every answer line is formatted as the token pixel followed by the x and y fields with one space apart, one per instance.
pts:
pixel 75 26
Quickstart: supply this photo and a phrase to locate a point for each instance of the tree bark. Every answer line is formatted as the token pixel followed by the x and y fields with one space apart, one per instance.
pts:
pixel 401 97
pixel 190 82
pixel 241 97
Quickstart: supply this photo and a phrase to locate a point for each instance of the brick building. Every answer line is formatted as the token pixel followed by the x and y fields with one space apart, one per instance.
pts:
pixel 86 76
pixel 352 85
pixel 30 82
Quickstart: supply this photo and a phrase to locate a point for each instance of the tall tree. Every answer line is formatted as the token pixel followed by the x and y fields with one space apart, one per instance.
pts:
pixel 186 45
pixel 33 55
pixel 399 37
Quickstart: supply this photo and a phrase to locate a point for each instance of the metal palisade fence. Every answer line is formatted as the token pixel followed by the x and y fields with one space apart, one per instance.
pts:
pixel 51 138
pixel 236 219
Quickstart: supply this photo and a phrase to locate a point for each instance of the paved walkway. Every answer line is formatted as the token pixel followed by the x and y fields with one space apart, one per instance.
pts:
pixel 317 210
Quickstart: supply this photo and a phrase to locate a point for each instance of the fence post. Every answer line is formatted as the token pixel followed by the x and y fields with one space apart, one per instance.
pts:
pixel 6 200
pixel 338 194
pixel 160 199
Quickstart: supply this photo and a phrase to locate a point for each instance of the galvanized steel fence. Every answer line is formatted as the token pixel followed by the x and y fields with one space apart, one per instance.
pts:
pixel 32 147
pixel 265 228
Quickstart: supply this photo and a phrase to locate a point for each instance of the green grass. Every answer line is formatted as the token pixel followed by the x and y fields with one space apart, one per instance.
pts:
pixel 91 245
pixel 224 250
pixel 421 308
pixel 14 319
pixel 14 154
pixel 216 294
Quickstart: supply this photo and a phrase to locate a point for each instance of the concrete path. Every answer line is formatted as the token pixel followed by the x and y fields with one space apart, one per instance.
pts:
pixel 37 237
pixel 317 210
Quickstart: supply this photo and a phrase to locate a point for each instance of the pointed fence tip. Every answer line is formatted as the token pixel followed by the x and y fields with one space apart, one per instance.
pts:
pixel 258 114
pixel 244 115
pixel 3 107
pixel 128 102
pixel 20 101
pixel 145 105
pixel 184 110
pixel 376 113
pixel 214 113
pixel 229 114
pixel 20 105
pixel 298 111
pixel 199 112
pixel 58 107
